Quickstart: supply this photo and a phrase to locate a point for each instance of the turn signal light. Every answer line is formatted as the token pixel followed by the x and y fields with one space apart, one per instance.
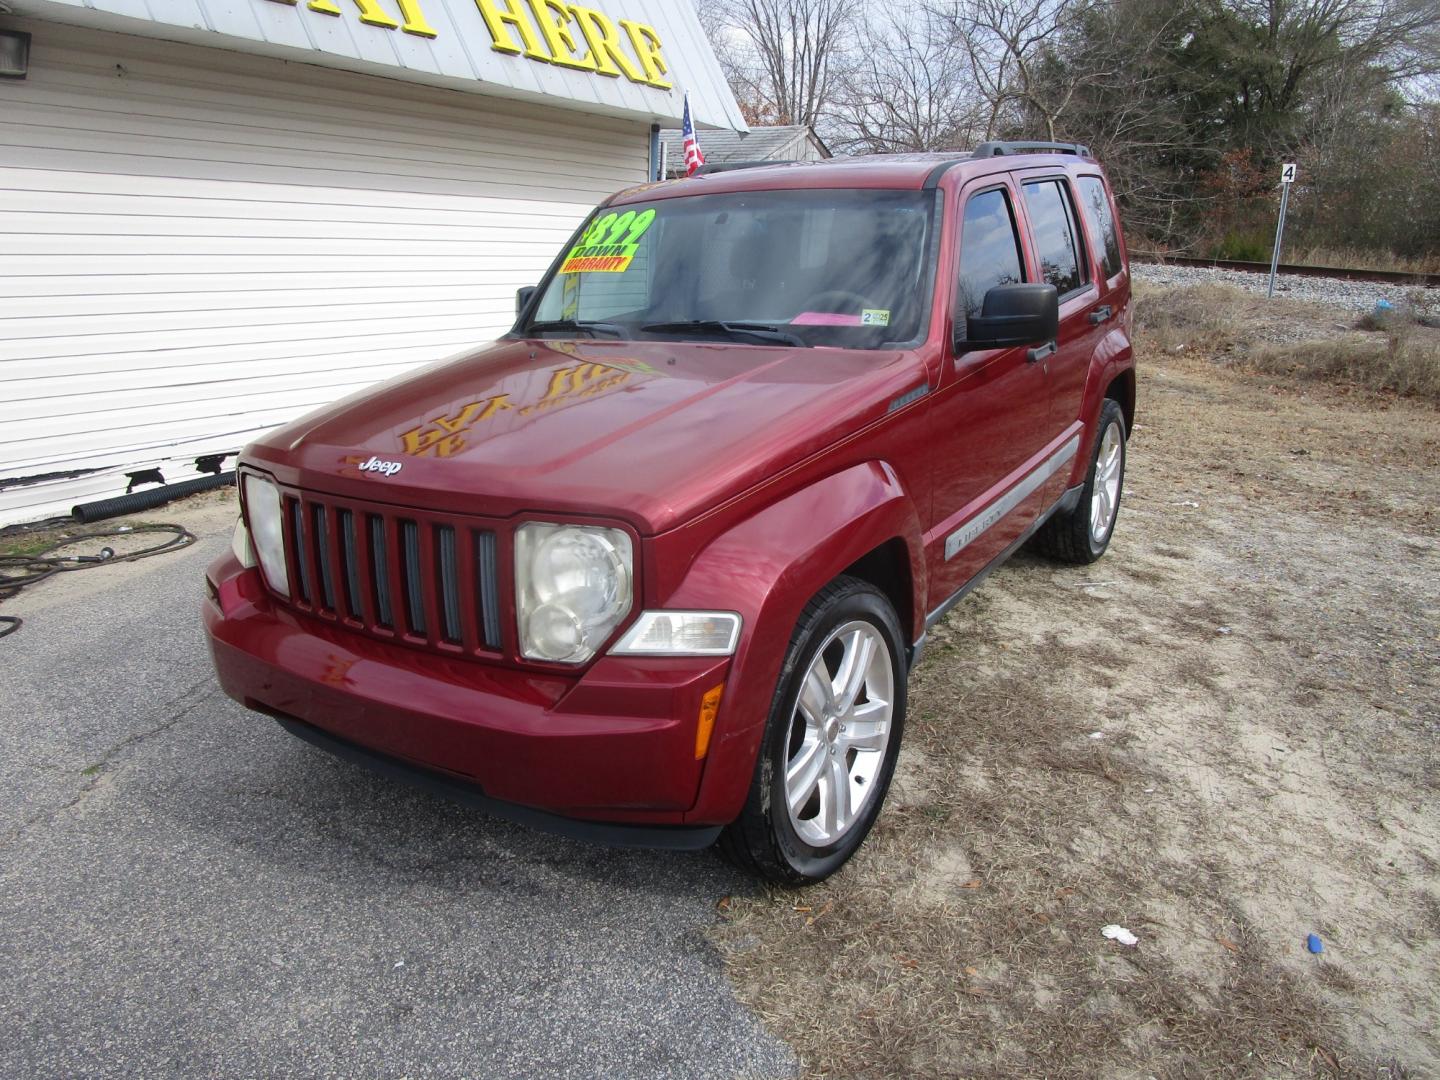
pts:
pixel 709 708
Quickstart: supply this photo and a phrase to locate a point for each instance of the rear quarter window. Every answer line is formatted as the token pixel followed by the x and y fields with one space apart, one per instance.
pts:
pixel 1057 241
pixel 1100 216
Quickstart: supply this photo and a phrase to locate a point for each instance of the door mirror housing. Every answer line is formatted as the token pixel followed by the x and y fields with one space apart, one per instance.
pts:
pixel 522 298
pixel 1013 315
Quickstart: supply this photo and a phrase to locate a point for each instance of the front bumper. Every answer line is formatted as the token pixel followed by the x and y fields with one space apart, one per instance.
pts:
pixel 615 744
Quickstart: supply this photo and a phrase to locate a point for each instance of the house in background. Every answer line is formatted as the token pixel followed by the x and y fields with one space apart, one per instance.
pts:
pixel 789 142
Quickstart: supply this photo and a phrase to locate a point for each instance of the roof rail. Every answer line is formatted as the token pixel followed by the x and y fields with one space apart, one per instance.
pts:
pixel 731 166
pixel 1000 149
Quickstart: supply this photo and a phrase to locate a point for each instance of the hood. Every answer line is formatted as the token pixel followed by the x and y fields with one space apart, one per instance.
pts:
pixel 648 432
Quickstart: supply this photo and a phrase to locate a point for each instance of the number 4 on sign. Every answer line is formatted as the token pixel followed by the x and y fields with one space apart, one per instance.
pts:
pixel 1287 177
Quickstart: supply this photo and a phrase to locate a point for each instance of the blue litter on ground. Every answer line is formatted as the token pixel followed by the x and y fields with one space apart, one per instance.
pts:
pixel 1314 944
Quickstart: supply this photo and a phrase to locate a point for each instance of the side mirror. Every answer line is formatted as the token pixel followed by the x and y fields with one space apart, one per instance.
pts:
pixel 1013 315
pixel 522 298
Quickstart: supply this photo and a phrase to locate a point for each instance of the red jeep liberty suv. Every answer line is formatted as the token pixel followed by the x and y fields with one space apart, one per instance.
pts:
pixel 654 566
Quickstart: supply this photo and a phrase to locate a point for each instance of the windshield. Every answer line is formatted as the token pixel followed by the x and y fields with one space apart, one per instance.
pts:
pixel 849 268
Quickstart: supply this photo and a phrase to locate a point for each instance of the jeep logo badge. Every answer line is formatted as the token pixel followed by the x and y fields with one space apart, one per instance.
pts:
pixel 389 468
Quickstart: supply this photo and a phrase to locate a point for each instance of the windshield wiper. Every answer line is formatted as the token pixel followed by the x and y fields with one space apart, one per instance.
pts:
pixel 544 326
pixel 714 326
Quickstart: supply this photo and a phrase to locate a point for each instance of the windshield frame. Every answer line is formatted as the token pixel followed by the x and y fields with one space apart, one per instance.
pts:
pixel 927 287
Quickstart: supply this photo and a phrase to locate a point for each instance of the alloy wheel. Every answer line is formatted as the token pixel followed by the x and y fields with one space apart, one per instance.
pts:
pixel 838 733
pixel 1105 497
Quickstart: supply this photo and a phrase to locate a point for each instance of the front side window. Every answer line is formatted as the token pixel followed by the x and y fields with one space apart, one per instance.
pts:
pixel 989 249
pixel 1100 216
pixel 848 268
pixel 1052 224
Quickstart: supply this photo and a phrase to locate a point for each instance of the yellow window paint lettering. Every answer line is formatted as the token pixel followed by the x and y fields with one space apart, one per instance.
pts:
pixel 553 19
pixel 371 13
pixel 646 43
pixel 500 13
pixel 604 41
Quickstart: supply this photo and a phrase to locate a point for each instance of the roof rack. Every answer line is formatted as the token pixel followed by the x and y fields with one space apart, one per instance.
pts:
pixel 731 166
pixel 1001 149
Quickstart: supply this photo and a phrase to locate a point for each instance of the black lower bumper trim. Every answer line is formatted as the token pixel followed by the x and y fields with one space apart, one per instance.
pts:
pixel 672 837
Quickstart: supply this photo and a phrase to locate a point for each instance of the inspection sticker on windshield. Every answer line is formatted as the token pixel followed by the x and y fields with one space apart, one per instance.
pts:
pixel 610 245
pixel 875 316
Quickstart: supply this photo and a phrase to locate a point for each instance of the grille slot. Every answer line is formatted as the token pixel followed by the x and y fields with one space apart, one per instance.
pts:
pixel 410 560
pixel 449 582
pixel 350 565
pixel 321 548
pixel 488 584
pixel 299 549
pixel 380 572
pixel 430 581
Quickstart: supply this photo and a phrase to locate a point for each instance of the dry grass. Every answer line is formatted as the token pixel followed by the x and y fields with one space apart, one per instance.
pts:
pixel 1395 353
pixel 1200 317
pixel 967 940
pixel 1359 259
pixel 1247 785
pixel 1405 361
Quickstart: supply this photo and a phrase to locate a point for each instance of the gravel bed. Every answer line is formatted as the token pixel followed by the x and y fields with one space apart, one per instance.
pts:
pixel 1335 292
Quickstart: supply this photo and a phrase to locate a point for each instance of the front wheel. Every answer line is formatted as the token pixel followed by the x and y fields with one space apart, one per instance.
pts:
pixel 1081 534
pixel 830 742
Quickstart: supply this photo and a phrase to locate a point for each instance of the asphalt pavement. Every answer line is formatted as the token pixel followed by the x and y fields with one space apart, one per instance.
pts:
pixel 186 890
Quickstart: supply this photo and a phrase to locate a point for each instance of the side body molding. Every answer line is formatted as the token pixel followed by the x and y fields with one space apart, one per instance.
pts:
pixel 767 567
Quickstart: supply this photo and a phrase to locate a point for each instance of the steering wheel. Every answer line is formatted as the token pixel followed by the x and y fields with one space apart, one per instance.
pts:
pixel 837 301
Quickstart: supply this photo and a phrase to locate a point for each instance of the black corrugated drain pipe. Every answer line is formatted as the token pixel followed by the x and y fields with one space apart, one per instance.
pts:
pixel 145 500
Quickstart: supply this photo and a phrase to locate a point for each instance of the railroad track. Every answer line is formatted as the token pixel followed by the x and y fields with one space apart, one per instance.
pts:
pixel 1387 277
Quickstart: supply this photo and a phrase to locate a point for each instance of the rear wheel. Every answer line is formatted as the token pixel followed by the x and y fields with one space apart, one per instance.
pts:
pixel 1081 534
pixel 830 742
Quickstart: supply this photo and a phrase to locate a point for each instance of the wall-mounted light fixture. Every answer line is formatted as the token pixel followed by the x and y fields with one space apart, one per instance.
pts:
pixel 14 54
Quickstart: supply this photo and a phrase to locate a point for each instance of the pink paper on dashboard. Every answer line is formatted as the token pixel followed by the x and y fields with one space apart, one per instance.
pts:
pixel 824 318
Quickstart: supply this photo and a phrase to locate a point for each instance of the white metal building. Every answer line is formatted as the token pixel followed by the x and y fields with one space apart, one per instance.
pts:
pixel 218 214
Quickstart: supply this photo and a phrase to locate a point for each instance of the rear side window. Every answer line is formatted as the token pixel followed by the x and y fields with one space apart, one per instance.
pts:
pixel 1100 216
pixel 1057 242
pixel 989 248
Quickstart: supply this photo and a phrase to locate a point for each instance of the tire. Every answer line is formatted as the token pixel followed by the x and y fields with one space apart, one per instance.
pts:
pixel 793 831
pixel 1079 535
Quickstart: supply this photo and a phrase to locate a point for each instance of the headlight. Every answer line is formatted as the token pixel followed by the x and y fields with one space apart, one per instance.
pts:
pixel 240 545
pixel 572 588
pixel 264 516
pixel 680 633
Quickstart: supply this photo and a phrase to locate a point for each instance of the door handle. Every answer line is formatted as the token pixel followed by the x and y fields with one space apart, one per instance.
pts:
pixel 1034 356
pixel 1100 314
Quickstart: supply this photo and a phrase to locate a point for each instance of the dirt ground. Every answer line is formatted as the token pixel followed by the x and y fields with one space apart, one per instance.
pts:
pixel 1222 736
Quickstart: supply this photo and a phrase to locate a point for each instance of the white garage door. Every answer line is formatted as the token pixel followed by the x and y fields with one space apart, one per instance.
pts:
pixel 200 245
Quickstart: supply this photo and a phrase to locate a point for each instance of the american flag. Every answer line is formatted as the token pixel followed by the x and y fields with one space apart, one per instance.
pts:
pixel 693 157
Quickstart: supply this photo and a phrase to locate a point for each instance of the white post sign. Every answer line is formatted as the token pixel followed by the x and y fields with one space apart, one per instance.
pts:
pixel 1287 177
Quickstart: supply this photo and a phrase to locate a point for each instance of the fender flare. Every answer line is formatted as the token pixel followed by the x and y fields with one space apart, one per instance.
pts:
pixel 1113 356
pixel 768 568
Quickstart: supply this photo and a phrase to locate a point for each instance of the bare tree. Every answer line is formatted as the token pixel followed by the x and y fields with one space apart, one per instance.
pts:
pixel 791 52
pixel 909 88
pixel 1007 42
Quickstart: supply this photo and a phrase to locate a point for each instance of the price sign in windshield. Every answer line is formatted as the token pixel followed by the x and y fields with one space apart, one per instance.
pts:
pixel 609 245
